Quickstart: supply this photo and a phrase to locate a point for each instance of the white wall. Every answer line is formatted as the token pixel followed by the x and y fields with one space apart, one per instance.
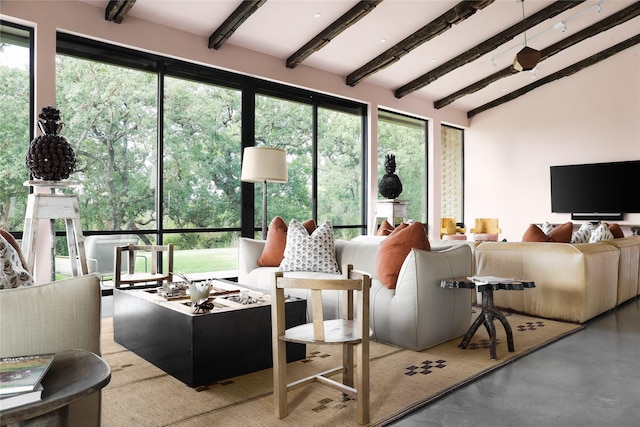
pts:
pixel 589 117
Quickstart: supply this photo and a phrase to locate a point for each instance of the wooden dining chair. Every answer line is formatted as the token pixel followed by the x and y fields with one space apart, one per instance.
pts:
pixel 131 277
pixel 351 331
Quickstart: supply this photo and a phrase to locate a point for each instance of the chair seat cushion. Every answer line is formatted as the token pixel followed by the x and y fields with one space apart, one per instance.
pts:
pixel 336 331
pixel 485 237
pixel 454 237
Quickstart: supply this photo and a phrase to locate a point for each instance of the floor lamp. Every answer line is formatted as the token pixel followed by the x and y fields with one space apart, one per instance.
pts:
pixel 264 164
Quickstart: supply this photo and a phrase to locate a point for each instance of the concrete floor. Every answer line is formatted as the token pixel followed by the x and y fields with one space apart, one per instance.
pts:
pixel 591 378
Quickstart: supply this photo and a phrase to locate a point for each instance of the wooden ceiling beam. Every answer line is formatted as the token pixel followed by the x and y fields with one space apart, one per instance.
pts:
pixel 565 72
pixel 606 24
pixel 486 46
pixel 353 15
pixel 453 16
pixel 231 24
pixel 116 10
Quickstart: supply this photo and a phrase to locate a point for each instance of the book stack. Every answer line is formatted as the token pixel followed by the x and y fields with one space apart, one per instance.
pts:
pixel 20 379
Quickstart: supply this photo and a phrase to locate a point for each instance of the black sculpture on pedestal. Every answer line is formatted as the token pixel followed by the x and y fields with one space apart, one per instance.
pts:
pixel 390 186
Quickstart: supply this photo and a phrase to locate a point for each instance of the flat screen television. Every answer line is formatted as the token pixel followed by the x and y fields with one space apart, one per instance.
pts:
pixel 596 190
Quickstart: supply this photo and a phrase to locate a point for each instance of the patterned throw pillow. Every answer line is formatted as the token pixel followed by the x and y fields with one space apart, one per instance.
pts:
pixel 583 234
pixel 305 252
pixel 13 274
pixel 600 233
pixel 273 252
pixel 547 227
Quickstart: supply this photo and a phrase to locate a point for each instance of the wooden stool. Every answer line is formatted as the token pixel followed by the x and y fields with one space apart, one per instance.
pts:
pixel 54 206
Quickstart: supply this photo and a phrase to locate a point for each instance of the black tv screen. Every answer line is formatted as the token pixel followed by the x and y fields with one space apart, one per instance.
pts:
pixel 596 188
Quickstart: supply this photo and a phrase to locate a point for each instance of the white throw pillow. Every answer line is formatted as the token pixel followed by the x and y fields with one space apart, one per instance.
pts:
pixel 12 274
pixel 583 234
pixel 315 252
pixel 601 232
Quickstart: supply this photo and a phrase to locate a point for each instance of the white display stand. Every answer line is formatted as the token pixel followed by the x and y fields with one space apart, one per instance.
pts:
pixel 54 205
pixel 390 209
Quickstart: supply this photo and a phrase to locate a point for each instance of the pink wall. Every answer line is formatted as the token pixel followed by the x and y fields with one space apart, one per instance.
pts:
pixel 87 20
pixel 589 117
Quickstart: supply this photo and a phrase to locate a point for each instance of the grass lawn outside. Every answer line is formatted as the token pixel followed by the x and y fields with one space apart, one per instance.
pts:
pixel 203 260
pixel 191 261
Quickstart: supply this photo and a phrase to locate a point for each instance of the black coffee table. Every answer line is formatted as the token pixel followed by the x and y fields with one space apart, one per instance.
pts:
pixel 486 285
pixel 231 340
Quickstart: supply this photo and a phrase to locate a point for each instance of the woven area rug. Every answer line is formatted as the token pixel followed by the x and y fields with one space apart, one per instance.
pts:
pixel 140 394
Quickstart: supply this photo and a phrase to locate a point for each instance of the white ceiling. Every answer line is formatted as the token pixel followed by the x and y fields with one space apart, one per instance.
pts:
pixel 281 27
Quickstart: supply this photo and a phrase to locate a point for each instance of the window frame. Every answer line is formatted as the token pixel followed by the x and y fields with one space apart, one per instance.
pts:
pixel 462 169
pixel 250 87
pixel 29 41
pixel 409 120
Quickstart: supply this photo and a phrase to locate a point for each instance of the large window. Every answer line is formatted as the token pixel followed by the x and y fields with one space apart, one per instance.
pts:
pixel 159 145
pixel 340 168
pixel 325 164
pixel 201 180
pixel 452 183
pixel 15 119
pixel 406 138
pixel 286 124
pixel 109 114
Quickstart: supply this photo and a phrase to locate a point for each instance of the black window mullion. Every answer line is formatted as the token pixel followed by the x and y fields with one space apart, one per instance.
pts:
pixel 160 163
pixel 247 190
pixel 314 162
pixel 77 46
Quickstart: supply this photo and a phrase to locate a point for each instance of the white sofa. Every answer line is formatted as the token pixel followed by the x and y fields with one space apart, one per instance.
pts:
pixel 54 317
pixel 416 315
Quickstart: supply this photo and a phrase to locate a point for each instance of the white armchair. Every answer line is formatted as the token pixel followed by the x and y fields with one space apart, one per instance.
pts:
pixel 54 317
pixel 417 314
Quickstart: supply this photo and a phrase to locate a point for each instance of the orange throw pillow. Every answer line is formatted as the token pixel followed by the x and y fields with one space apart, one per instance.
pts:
pixel 400 226
pixel 394 249
pixel 562 233
pixel 616 231
pixel 273 252
pixel 385 229
pixel 535 234
pixel 310 225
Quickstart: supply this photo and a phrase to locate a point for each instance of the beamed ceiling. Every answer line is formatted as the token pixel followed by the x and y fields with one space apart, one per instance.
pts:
pixel 451 53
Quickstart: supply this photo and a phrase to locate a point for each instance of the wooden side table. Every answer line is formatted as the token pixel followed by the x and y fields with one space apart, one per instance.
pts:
pixel 74 374
pixel 489 311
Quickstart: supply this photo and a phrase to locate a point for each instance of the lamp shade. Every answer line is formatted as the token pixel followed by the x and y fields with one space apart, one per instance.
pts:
pixel 264 164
